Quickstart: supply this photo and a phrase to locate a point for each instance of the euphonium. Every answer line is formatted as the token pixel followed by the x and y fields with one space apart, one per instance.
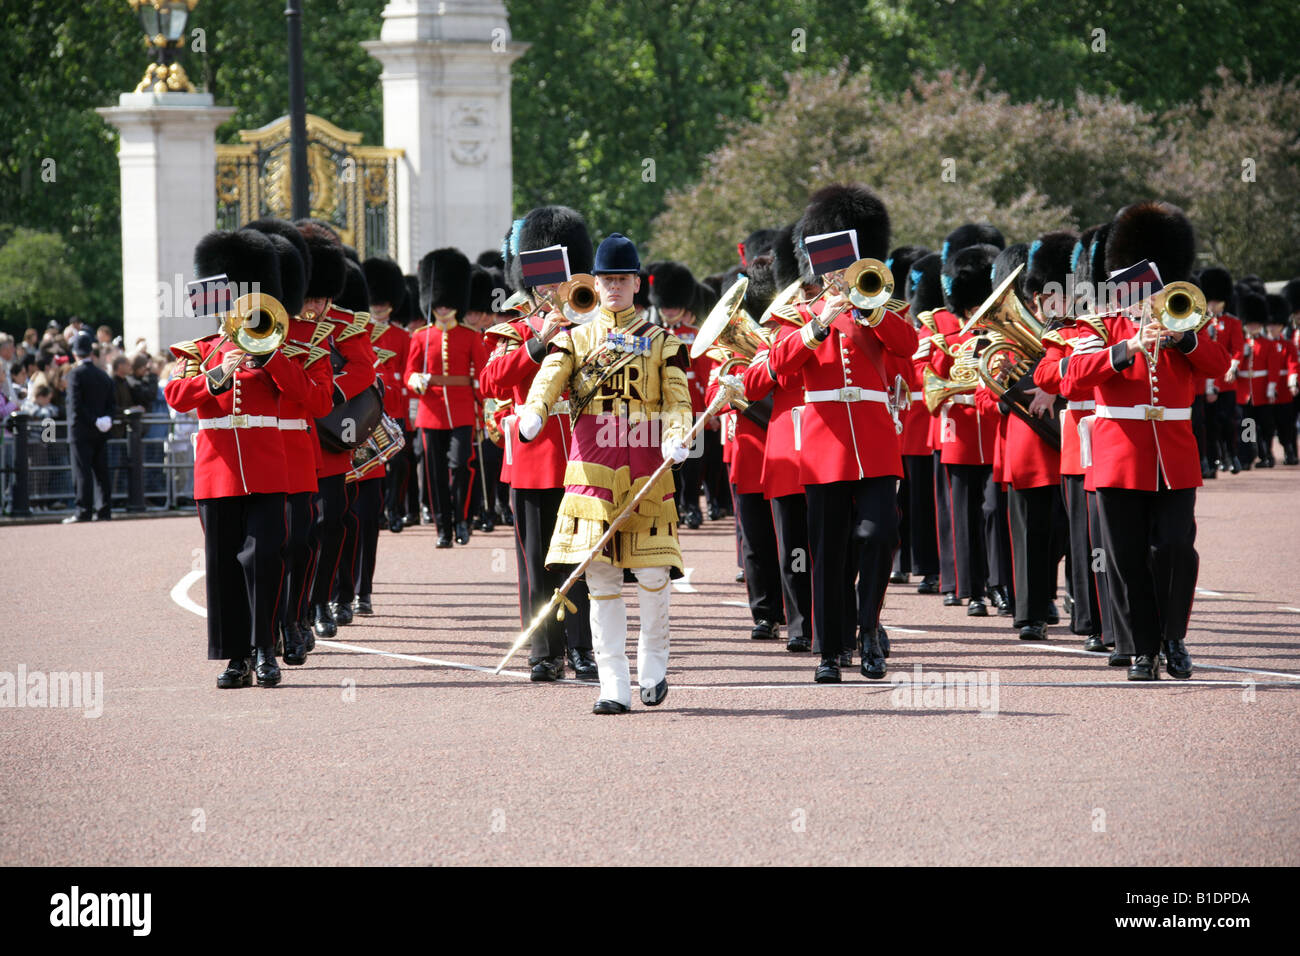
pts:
pixel 258 325
pixel 730 335
pixel 964 377
pixel 1003 313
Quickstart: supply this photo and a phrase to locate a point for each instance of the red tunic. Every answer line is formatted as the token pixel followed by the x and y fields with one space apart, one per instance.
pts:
pixel 1134 453
pixel 744 441
pixel 1049 375
pixel 384 338
pixel 507 375
pixel 697 375
pixel 247 458
pixel 963 436
pixel 917 422
pixel 782 444
pixel 298 419
pixel 852 439
pixel 1227 332
pixel 351 338
pixel 460 353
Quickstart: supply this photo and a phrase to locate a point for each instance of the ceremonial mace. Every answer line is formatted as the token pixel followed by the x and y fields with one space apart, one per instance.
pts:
pixel 559 601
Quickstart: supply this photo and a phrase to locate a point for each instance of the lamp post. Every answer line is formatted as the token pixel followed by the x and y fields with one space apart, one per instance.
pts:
pixel 164 32
pixel 301 207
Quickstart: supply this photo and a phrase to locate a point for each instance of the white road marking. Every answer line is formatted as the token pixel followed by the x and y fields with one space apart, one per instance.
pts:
pixel 743 604
pixel 181 593
pixel 683 584
pixel 1208 593
pixel 1209 667
pixel 895 629
pixel 1296 610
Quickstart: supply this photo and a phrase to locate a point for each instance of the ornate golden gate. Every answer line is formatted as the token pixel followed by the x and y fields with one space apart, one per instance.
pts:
pixel 350 186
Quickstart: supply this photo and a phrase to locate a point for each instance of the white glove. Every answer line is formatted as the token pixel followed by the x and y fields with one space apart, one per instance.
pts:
pixel 735 383
pixel 103 423
pixel 1272 391
pixel 674 449
pixel 530 423
pixel 418 382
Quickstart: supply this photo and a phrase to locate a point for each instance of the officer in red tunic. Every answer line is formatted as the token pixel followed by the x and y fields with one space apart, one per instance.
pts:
pixel 487 289
pixel 1145 461
pixel 298 430
pixel 1221 412
pixel 747 433
pixel 1256 434
pixel 352 361
pixel 391 341
pixel 1282 374
pixel 536 468
pixel 782 449
pixel 839 361
pixel 240 474
pixel 442 367
pixel 967 438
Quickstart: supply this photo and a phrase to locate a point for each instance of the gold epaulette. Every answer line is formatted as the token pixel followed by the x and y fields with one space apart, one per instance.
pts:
pixel 1094 324
pixel 189 349
pixel 383 355
pixel 358 325
pixel 897 306
pixel 314 352
pixel 504 330
pixel 1054 338
pixel 790 314
pixel 377 331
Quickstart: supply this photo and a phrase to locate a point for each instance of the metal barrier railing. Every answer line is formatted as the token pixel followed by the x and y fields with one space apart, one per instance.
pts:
pixel 151 467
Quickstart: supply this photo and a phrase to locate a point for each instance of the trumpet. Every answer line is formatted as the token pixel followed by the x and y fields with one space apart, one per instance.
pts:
pixel 575 298
pixel 258 325
pixel 867 284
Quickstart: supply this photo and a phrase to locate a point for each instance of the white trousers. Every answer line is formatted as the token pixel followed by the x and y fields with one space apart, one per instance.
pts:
pixel 609 629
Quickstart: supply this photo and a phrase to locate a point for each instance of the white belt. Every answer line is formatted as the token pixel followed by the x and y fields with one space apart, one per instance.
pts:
pixel 293 424
pixel 1081 406
pixel 240 421
pixel 963 399
pixel 1145 413
pixel 850 394
pixel 918 396
pixel 561 408
pixel 1259 374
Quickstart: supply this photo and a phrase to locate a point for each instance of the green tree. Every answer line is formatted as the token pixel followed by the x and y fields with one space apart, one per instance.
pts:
pixel 37 282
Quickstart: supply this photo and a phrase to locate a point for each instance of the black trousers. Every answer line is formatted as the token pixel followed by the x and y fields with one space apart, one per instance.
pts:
pixel 1151 562
pixel 243 545
pixel 997 536
pixel 414 472
pixel 688 478
pixel 759 555
pixel 1284 425
pixel 331 512
pixel 969 487
pixel 368 510
pixel 535 513
pixel 1105 604
pixel 447 455
pixel 790 519
pixel 918 550
pixel 487 477
pixel 944 526
pixel 1221 427
pixel 717 482
pixel 90 475
pixel 1033 514
pixel 1251 427
pixel 342 588
pixel 873 504
pixel 1085 618
pixel 300 517
pixel 1199 415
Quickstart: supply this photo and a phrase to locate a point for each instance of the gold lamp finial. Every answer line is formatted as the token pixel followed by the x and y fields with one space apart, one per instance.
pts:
pixel 164 22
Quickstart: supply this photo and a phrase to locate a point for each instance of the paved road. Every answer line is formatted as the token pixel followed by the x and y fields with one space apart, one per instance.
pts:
pixel 392 746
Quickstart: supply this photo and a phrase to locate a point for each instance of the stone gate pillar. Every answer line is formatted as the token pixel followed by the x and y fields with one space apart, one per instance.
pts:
pixel 167 155
pixel 446 84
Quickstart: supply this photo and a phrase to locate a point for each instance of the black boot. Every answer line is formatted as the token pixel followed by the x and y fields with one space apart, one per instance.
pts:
pixel 268 671
pixel 323 622
pixel 444 538
pixel 873 656
pixel 363 606
pixel 308 634
pixel 1145 667
pixel 462 532
pixel 929 585
pixel 239 673
pixel 828 671
pixel 342 612
pixel 1178 660
pixel 583 663
pixel 295 644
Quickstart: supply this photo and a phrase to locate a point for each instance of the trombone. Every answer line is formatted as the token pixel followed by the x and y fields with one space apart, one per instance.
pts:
pixel 575 298
pixel 867 284
pixel 258 325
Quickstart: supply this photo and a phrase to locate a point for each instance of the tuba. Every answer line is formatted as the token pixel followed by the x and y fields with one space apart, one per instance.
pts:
pixel 258 325
pixel 964 377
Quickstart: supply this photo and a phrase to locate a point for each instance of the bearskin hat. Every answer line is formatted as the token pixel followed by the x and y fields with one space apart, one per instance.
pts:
pixel 481 287
pixel 1049 261
pixel 355 296
pixel 1292 293
pixel 967 278
pixel 409 311
pixel 325 275
pixel 757 243
pixel 785 264
pixel 293 274
pixel 385 281
pixel 671 285
pixel 1005 262
pixel 1216 283
pixel 971 234
pixel 899 264
pixel 1152 230
pixel 1252 308
pixel 1254 283
pixel 351 253
pixel 246 257
pixel 444 282
pixel 762 285
pixel 714 282
pixel 839 207
pixel 491 259
pixel 320 226
pixel 923 289
pixel 703 300
pixel 283 227
pixel 550 226
pixel 1279 310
